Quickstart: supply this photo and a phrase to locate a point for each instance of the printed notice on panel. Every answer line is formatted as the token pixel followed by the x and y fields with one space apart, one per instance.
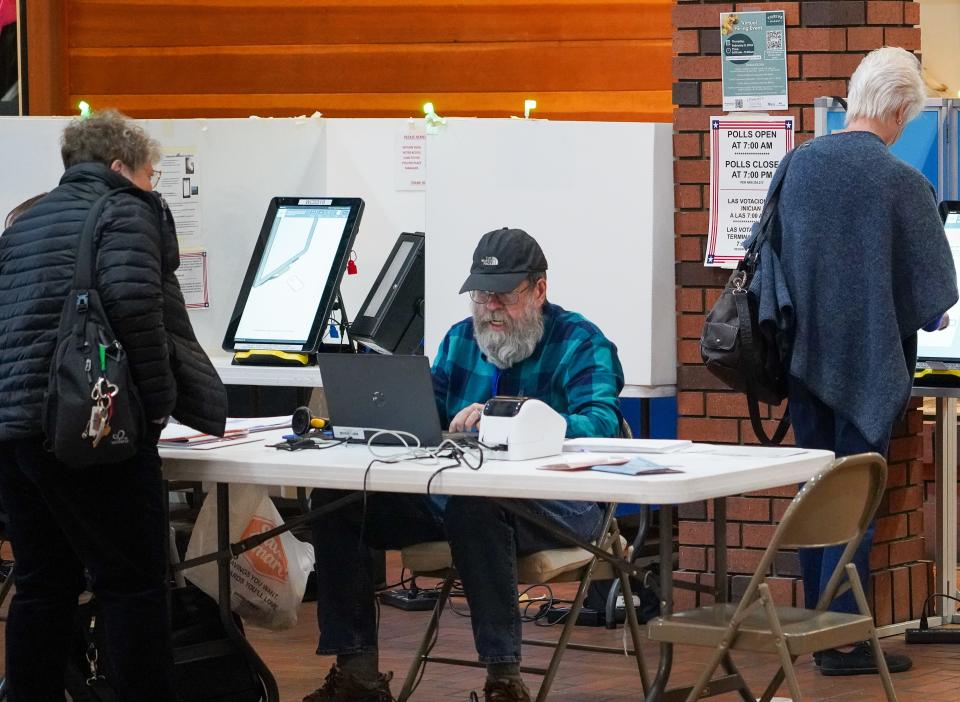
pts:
pixel 180 186
pixel 754 60
pixel 744 153
pixel 192 275
pixel 411 170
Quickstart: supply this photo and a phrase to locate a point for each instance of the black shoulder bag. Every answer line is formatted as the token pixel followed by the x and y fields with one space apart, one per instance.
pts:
pixel 92 413
pixel 733 345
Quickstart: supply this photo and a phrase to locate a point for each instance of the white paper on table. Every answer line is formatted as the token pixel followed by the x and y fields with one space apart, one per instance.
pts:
pixel 745 451
pixel 625 445
pixel 259 423
pixel 207 445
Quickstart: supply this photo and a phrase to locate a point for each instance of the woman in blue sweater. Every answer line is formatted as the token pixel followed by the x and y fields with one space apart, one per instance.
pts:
pixel 867 264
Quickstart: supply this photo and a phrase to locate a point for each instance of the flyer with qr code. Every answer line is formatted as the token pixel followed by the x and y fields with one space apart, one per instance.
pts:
pixel 754 55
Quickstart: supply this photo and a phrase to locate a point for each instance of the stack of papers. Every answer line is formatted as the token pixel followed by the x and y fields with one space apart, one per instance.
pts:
pixel 626 445
pixel 237 431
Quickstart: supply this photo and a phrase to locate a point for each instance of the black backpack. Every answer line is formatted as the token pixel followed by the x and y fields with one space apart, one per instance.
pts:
pixel 734 346
pixel 88 363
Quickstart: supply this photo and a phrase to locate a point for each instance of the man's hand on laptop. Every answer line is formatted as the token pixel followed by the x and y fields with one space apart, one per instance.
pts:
pixel 467 419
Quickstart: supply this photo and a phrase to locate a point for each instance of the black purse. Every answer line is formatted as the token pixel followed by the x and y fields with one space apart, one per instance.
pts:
pixel 733 344
pixel 92 413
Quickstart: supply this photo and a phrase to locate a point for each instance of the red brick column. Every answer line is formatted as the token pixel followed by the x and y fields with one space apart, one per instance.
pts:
pixel 825 42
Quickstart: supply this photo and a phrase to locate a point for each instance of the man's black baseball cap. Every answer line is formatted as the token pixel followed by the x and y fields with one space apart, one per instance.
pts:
pixel 503 259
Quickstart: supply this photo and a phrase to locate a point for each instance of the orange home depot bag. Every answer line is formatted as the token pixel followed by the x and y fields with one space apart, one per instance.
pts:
pixel 267 582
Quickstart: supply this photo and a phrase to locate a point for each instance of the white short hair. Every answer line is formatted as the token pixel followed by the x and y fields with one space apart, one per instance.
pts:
pixel 886 80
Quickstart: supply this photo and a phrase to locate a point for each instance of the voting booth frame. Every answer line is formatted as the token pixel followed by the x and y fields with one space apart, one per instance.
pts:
pixel 930 143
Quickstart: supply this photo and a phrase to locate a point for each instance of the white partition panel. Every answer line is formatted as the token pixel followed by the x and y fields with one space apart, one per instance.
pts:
pixel 362 162
pixel 599 199
pixel 598 196
pixel 241 164
pixel 31 158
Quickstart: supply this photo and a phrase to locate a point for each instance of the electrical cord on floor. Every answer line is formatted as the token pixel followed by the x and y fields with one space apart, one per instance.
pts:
pixel 402 583
pixel 924 624
pixel 540 606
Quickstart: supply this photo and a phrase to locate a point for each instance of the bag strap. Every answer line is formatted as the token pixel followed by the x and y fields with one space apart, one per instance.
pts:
pixel 753 405
pixel 84 273
pixel 770 204
pixel 781 431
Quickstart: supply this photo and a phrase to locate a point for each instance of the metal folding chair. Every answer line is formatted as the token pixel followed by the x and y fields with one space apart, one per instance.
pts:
pixel 833 508
pixel 558 565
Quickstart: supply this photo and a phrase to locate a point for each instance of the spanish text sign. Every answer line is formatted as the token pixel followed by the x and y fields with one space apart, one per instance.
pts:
pixel 744 155
pixel 754 55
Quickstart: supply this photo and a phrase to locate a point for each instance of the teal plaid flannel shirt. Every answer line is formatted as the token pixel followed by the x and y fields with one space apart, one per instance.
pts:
pixel 574 369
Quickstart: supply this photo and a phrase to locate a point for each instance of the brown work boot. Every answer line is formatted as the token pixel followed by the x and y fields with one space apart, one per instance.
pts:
pixel 505 691
pixel 340 687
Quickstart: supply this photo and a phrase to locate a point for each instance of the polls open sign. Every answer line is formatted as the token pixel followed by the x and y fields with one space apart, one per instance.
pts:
pixel 745 153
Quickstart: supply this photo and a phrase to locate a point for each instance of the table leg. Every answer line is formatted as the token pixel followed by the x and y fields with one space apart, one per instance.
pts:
pixel 946 504
pixel 721 589
pixel 226 614
pixel 720 549
pixel 659 685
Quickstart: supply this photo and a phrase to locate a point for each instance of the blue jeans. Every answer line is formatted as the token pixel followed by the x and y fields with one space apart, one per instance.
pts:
pixel 485 541
pixel 110 520
pixel 817 426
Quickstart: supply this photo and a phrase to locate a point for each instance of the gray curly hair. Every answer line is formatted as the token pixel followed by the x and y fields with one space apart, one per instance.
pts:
pixel 105 137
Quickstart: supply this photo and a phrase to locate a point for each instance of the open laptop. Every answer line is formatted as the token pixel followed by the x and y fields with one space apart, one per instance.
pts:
pixel 368 390
pixel 938 353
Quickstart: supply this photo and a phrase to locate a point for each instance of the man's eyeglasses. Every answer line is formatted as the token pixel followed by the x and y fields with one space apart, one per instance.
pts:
pixel 155 178
pixel 482 297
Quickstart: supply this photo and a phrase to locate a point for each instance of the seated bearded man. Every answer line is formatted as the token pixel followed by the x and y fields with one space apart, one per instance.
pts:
pixel 515 343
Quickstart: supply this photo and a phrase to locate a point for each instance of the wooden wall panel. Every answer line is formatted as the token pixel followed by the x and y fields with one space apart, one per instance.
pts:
pixel 47 64
pixel 581 59
pixel 375 67
pixel 111 23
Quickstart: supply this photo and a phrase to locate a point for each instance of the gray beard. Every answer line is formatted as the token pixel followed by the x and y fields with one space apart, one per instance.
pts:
pixel 515 343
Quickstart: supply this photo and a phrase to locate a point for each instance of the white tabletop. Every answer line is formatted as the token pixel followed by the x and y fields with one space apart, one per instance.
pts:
pixel 704 475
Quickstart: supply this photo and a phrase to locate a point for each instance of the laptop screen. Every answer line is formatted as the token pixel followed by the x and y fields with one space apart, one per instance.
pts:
pixel 294 273
pixel 944 345
pixel 370 390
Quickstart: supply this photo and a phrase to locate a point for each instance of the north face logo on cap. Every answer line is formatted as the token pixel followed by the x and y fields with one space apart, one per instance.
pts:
pixel 490 261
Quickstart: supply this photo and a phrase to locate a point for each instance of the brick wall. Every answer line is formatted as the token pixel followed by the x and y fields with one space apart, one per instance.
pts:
pixel 825 42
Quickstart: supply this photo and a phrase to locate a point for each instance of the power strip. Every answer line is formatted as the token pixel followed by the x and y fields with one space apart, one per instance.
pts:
pixel 410 600
pixel 932 636
pixel 587 616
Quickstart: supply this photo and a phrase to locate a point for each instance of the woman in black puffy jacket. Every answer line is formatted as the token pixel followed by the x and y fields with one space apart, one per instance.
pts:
pixel 109 519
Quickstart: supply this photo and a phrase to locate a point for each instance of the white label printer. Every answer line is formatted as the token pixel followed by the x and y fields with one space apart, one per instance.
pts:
pixel 519 428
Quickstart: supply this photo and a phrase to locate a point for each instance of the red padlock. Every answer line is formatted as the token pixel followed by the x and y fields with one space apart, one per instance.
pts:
pixel 352 263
